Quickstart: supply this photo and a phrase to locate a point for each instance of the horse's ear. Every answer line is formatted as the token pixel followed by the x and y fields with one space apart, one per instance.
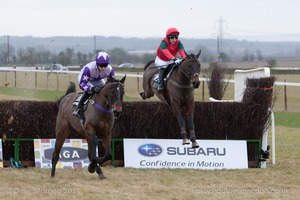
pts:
pixel 123 79
pixel 110 80
pixel 198 54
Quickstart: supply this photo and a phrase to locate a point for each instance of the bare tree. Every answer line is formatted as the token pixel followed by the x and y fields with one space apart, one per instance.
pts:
pixel 216 82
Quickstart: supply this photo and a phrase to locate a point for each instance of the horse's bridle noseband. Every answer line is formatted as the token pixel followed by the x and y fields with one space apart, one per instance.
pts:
pixel 188 76
pixel 109 104
pixel 100 107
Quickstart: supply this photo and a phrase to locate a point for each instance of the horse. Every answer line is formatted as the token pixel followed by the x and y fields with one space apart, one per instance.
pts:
pixel 102 107
pixel 178 92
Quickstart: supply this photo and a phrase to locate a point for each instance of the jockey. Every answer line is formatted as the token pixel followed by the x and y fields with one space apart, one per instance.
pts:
pixel 91 78
pixel 169 47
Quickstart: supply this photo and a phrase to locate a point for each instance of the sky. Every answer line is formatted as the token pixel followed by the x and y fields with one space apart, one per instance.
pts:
pixel 239 19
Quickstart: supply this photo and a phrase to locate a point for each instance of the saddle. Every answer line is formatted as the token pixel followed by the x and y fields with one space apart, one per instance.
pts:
pixel 76 101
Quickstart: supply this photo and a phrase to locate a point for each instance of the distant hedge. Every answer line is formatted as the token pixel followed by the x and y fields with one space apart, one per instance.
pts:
pixel 213 120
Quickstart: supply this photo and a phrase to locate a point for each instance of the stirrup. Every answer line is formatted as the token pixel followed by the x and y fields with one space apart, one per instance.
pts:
pixel 77 113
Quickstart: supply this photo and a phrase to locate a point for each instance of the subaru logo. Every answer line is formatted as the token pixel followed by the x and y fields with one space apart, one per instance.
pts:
pixel 150 150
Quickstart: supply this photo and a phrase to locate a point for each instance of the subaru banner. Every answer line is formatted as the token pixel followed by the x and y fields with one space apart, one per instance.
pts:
pixel 165 153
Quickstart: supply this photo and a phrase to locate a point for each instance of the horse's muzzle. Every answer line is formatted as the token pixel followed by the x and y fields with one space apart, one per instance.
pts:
pixel 196 82
pixel 117 107
pixel 117 114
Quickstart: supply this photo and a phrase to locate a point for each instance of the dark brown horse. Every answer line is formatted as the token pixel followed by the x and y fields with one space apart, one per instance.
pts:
pixel 99 120
pixel 178 93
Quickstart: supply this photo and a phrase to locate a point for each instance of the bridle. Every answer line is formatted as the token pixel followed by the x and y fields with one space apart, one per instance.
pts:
pixel 186 75
pixel 109 101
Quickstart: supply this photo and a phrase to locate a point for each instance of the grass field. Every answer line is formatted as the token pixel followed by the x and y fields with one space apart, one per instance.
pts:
pixel 279 181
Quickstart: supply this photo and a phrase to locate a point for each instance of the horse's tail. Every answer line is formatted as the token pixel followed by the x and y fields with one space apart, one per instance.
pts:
pixel 71 88
pixel 147 65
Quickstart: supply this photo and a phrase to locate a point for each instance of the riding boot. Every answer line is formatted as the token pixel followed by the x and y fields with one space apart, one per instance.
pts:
pixel 78 112
pixel 161 79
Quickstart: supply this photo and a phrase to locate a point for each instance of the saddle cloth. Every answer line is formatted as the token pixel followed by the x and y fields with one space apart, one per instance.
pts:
pixel 77 100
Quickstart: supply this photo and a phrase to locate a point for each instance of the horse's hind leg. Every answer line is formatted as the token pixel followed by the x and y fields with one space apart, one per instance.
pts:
pixel 147 87
pixel 55 156
pixel 62 132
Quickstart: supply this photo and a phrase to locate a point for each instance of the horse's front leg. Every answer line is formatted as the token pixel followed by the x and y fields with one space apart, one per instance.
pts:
pixel 106 142
pixel 190 120
pixel 92 146
pixel 181 124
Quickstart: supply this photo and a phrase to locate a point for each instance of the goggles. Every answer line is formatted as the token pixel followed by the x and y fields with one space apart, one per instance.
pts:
pixel 173 36
pixel 102 65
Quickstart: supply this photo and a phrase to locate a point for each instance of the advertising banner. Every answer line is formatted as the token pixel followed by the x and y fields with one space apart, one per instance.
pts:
pixel 1 154
pixel 164 153
pixel 74 153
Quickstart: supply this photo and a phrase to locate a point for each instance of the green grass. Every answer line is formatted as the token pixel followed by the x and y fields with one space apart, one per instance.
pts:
pixel 287 119
pixel 44 95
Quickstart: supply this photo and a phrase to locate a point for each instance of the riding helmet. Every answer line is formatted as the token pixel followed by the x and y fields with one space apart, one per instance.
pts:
pixel 172 31
pixel 102 58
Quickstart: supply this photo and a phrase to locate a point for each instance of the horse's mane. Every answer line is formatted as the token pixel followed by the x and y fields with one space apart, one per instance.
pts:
pixel 71 88
pixel 147 65
pixel 193 56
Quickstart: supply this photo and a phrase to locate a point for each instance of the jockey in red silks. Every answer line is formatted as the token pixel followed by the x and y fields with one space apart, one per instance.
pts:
pixel 167 50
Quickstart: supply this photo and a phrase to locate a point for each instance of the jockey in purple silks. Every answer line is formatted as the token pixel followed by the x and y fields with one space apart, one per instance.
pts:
pixel 91 78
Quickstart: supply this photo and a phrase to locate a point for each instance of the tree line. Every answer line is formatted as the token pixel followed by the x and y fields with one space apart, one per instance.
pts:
pixel 35 56
pixel 31 56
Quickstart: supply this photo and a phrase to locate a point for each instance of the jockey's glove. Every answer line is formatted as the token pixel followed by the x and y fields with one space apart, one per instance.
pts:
pixel 95 89
pixel 176 61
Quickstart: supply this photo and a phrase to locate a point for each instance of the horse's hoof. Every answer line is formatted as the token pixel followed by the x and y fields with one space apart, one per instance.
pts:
pixel 185 141
pixel 91 168
pixel 195 145
pixel 142 94
pixel 101 176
